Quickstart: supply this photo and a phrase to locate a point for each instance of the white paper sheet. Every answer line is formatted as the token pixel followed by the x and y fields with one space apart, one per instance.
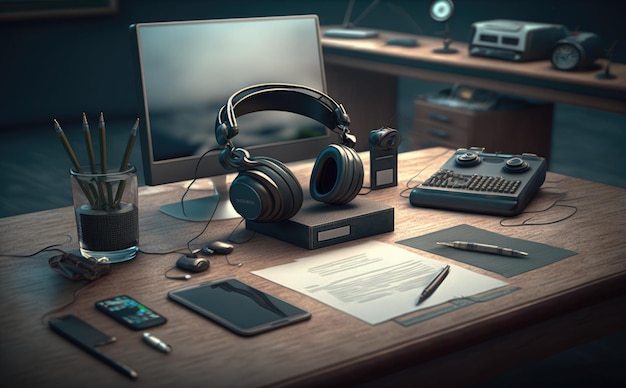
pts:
pixel 375 281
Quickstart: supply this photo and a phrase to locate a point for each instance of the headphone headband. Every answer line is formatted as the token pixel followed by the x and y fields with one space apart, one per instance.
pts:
pixel 293 98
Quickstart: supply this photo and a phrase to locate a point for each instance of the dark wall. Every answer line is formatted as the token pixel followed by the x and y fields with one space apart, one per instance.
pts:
pixel 61 67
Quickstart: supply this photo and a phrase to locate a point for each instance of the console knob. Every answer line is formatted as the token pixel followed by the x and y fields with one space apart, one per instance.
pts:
pixel 516 165
pixel 467 159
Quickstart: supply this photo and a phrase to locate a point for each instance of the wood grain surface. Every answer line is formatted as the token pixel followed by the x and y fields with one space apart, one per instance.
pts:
pixel 554 301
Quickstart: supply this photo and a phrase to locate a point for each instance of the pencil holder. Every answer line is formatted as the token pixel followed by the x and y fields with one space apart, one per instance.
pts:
pixel 107 216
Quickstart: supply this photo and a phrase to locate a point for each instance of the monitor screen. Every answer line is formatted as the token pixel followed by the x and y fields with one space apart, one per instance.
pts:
pixel 188 70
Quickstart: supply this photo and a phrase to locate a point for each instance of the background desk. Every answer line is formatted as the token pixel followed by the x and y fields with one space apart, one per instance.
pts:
pixel 576 299
pixel 363 73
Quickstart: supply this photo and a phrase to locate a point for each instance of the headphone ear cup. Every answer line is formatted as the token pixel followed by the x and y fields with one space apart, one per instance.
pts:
pixel 267 192
pixel 337 175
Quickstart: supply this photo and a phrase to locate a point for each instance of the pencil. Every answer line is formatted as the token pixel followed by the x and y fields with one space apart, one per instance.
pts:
pixel 103 145
pixel 92 156
pixel 129 146
pixel 103 161
pixel 129 149
pixel 66 145
pixel 90 153
pixel 74 160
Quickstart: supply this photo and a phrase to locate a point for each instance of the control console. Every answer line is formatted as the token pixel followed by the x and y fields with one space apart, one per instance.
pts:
pixel 479 182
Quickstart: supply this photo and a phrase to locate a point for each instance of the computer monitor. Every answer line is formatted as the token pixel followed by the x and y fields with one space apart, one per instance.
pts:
pixel 188 70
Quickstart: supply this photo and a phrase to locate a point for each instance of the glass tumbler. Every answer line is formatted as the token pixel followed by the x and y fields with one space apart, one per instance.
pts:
pixel 107 216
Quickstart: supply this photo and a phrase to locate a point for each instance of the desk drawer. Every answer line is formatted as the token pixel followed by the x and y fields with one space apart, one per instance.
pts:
pixel 428 133
pixel 443 115
pixel 426 129
pixel 527 129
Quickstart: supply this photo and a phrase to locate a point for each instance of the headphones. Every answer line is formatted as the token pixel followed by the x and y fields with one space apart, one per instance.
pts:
pixel 265 190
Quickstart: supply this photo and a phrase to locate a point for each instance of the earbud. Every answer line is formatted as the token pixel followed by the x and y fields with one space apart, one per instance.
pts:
pixel 218 247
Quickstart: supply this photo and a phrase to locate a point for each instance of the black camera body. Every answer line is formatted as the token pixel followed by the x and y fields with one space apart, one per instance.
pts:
pixel 383 145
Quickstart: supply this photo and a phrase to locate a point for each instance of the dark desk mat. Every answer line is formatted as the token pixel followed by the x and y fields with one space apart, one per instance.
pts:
pixel 539 255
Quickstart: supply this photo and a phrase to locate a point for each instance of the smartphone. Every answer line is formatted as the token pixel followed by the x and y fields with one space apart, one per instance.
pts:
pixel 239 307
pixel 130 313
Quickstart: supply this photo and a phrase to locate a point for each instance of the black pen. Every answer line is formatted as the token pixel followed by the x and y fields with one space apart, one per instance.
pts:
pixel 485 248
pixel 118 366
pixel 434 284
pixel 87 338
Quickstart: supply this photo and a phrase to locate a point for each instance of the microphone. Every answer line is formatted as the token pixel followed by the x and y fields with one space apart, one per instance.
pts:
pixel 383 145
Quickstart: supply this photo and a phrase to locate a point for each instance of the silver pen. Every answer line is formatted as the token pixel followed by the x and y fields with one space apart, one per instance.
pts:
pixel 156 343
pixel 485 248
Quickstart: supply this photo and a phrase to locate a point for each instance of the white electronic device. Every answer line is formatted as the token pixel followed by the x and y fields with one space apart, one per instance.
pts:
pixel 514 40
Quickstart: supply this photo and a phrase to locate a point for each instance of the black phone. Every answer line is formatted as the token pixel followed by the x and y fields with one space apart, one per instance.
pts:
pixel 239 307
pixel 79 332
pixel 130 313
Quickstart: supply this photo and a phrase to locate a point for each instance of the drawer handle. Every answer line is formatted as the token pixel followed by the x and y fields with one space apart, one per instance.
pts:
pixel 437 132
pixel 438 116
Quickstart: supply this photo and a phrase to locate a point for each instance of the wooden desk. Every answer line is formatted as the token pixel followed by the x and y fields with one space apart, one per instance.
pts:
pixel 535 79
pixel 576 299
pixel 362 74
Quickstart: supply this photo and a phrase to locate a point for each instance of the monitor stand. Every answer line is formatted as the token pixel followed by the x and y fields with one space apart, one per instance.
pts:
pixel 213 207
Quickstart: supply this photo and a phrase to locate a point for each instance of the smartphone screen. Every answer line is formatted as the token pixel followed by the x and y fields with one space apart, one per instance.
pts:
pixel 129 312
pixel 239 307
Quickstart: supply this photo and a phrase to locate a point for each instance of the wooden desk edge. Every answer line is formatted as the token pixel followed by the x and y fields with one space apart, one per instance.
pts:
pixel 414 354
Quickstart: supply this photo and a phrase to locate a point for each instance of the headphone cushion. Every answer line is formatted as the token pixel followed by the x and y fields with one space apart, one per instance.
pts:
pixel 337 175
pixel 267 192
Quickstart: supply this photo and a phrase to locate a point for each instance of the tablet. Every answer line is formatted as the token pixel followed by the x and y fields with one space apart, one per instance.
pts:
pixel 237 306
